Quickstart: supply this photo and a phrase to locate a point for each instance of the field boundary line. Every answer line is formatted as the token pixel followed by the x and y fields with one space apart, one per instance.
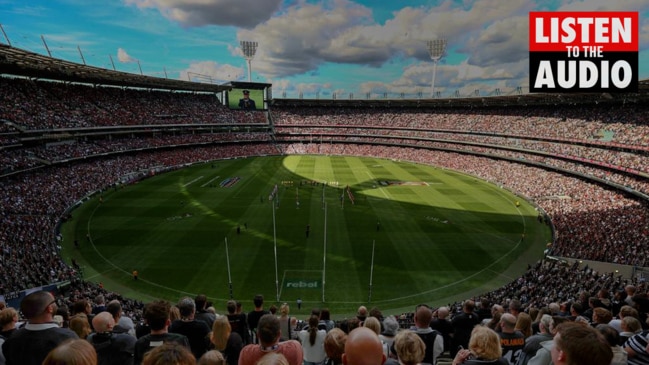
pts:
pixel 204 185
pixel 119 269
pixel 193 181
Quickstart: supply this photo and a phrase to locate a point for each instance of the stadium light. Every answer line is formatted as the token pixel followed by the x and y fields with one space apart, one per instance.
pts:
pixel 436 49
pixel 249 49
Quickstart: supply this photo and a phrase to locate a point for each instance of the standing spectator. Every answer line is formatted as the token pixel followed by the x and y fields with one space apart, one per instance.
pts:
pixel 196 331
pixel 533 343
pixel 325 318
pixel 433 340
pixel 211 357
pixel 123 324
pixel 576 344
pixel 485 309
pixel 524 324
pixel 269 333
pixel 612 337
pixel 390 329
pixel 514 307
pixel 361 313
pixel 72 352
pixel 312 340
pixel 511 340
pixel 636 348
pixel 285 322
pixel 100 304
pixel 8 321
pixel 169 353
pixel 31 344
pixel 202 314
pixel 373 324
pixel 238 321
pixel 442 324
pixel 79 324
pixel 335 346
pixel 156 314
pixel 463 324
pixel 256 314
pixel 112 348
pixel 225 341
pixel 363 347
pixel 410 348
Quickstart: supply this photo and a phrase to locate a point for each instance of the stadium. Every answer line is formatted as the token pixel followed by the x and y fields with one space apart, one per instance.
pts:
pixel 139 188
pixel 574 158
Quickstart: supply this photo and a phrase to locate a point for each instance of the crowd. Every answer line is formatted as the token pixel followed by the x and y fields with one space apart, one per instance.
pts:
pixel 517 324
pixel 625 125
pixel 41 105
pixel 32 203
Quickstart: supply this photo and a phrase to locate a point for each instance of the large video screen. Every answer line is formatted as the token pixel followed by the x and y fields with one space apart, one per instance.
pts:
pixel 246 99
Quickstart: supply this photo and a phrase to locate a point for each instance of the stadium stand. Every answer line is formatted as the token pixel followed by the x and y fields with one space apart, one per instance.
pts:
pixel 589 163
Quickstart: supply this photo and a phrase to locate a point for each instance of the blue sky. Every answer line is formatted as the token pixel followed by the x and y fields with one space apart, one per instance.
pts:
pixel 308 47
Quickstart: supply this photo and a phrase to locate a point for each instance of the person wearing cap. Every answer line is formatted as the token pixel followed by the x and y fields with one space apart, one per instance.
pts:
pixel 246 103
pixel 31 344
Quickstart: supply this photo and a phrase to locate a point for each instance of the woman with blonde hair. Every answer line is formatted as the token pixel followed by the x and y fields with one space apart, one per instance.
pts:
pixel 484 349
pixel 72 352
pixel 272 358
pixel 410 348
pixel 285 322
pixel 524 324
pixel 494 323
pixel 174 313
pixel 224 340
pixel 212 357
pixel 334 346
pixel 80 325
pixel 373 324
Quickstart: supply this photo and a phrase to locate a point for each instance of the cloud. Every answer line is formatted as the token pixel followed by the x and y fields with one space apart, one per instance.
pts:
pixel 301 38
pixel 124 57
pixel 212 72
pixel 196 13
pixel 503 41
pixel 306 36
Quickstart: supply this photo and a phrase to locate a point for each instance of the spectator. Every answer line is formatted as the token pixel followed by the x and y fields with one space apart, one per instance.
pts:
pixel 335 346
pixel 156 314
pixel 72 352
pixel 31 344
pixel 169 353
pixel 312 340
pixel 196 331
pixel 112 348
pixel 484 349
pixel 363 347
pixel 269 333
pixel 225 341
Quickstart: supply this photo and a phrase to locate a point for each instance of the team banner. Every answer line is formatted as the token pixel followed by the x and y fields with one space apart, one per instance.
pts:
pixel 584 51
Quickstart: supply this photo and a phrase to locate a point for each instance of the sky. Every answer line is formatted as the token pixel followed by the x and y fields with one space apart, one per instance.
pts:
pixel 314 49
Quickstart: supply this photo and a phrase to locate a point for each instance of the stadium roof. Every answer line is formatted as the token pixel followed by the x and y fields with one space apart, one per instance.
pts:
pixel 522 99
pixel 19 62
pixel 16 61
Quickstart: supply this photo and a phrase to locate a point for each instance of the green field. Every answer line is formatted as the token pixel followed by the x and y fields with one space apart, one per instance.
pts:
pixel 415 232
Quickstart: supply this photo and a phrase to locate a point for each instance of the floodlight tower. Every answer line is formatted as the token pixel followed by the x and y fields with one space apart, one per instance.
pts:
pixel 436 49
pixel 249 49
